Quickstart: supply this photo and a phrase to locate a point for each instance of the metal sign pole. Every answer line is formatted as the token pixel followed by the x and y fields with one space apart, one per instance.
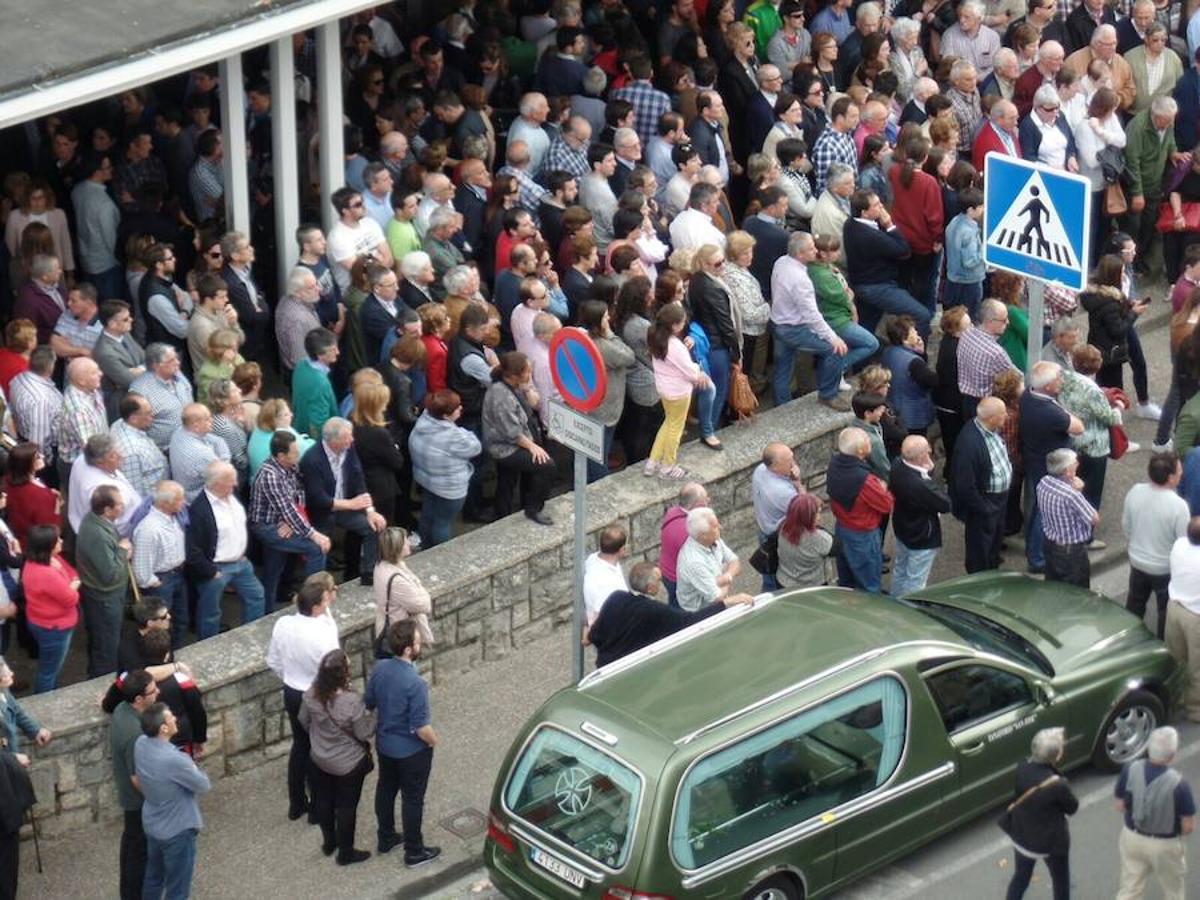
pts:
pixel 1037 318
pixel 577 617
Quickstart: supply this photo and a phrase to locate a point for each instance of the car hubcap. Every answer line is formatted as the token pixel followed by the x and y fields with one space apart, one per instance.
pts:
pixel 1128 733
pixel 771 894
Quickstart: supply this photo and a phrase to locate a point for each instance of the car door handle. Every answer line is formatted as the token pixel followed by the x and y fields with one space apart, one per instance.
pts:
pixel 973 748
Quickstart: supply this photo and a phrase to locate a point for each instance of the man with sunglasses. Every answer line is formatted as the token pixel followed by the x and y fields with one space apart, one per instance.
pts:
pixel 355 236
pixel 792 42
pixel 150 613
pixel 139 690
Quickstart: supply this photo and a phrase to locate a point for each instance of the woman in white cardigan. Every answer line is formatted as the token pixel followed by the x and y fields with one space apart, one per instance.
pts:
pixel 37 204
pixel 399 593
pixel 1101 129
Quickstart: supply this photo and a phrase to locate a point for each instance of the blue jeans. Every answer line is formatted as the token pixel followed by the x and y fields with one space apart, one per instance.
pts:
pixel 861 343
pixel 437 516
pixel 718 365
pixel 53 644
pixel 704 411
pixel 968 295
pixel 169 866
pixel 874 300
pixel 910 569
pixel 172 590
pixel 1035 538
pixel 793 339
pixel 595 470
pixel 208 605
pixel 672 587
pixel 860 561
pixel 769 581
pixel 276 551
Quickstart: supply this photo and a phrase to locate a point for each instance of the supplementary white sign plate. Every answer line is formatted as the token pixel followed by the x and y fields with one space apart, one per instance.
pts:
pixel 576 430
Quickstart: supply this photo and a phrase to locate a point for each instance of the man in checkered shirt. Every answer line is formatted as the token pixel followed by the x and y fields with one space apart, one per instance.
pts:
pixel 649 103
pixel 568 151
pixel 1068 520
pixel 980 356
pixel 835 145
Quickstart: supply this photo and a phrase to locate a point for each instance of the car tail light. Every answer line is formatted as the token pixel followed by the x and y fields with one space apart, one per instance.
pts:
pixel 499 834
pixel 617 892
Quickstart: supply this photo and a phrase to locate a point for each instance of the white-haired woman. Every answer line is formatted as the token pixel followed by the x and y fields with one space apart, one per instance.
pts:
pixel 907 59
pixel 419 276
pixel 1041 803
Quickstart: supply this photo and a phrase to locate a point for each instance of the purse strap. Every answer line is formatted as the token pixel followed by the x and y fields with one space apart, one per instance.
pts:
pixel 1029 793
pixel 387 602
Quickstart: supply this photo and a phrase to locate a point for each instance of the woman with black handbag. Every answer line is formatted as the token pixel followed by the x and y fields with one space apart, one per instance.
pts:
pixel 1110 318
pixel 1036 820
pixel 399 593
pixel 339 729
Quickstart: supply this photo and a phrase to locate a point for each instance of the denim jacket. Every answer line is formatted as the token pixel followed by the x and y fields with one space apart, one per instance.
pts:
pixel 964 251
pixel 14 722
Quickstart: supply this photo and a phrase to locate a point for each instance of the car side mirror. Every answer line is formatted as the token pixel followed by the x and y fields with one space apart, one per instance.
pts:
pixel 1043 693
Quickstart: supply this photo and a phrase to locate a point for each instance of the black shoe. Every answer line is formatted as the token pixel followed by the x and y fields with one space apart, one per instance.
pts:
pixel 479 516
pixel 422 856
pixel 387 843
pixel 312 817
pixel 366 581
pixel 540 517
pixel 328 847
pixel 296 811
pixel 354 856
pixel 1036 570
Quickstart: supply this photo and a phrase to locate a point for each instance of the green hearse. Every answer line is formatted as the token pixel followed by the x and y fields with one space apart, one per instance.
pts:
pixel 782 750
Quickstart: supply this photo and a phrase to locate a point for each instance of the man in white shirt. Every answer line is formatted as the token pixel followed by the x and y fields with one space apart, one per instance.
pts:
pixel 1153 519
pixel 1183 613
pixel 693 228
pixel 298 643
pixel 216 551
pixel 377 201
pixel 99 463
pixel 971 40
pixel 534 109
pixel 354 236
pixel 602 572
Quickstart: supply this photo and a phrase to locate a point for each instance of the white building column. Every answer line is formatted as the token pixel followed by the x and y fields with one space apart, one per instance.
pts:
pixel 233 131
pixel 329 93
pixel 285 167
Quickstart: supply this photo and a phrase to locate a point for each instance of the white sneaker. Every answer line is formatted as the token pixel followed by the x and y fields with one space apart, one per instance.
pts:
pixel 845 386
pixel 1133 447
pixel 1163 448
pixel 1149 410
pixel 650 469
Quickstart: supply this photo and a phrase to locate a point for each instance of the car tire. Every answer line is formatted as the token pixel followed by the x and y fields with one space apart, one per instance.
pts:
pixel 1126 730
pixel 777 887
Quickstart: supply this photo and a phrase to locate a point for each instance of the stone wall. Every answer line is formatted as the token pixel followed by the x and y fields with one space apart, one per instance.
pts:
pixel 494 590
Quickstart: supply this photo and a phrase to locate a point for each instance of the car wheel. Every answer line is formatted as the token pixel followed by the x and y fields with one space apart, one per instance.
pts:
pixel 1127 730
pixel 777 887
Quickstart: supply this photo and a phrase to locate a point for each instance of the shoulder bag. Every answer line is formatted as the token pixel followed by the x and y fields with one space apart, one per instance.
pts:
pixel 382 649
pixel 765 558
pixel 349 732
pixel 1006 818
pixel 742 399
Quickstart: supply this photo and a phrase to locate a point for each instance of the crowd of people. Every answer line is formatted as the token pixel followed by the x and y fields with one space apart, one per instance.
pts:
pixel 712 191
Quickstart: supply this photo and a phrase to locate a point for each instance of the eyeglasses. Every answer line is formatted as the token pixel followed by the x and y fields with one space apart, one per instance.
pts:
pixel 356 205
pixel 1049 109
pixel 162 617
pixel 213 254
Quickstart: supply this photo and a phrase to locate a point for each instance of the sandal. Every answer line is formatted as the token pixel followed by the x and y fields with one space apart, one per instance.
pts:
pixel 651 468
pixel 718 446
pixel 674 473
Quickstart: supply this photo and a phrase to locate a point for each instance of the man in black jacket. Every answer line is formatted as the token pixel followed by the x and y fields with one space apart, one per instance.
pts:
pixel 919 503
pixel 342 501
pixel 633 619
pixel 216 551
pixel 1042 801
pixel 980 475
pixel 771 238
pixel 254 315
pixel 875 250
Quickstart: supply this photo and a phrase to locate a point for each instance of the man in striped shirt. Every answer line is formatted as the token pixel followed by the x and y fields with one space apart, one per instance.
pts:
pixel 167 390
pixel 193 447
pixel 276 517
pixel 82 412
pixel 37 404
pixel 1068 520
pixel 159 551
pixel 980 356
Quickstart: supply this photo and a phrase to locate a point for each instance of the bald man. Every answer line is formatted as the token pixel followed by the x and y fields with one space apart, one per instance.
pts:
pixel 920 501
pixel 980 476
pixel 859 501
pixel 83 412
pixel 471 199
pixel 193 447
pixel 776 480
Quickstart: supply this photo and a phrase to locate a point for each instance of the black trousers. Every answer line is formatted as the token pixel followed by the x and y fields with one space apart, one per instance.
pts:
pixel 1060 876
pixel 335 798
pixel 299 770
pixel 984 532
pixel 409 776
pixel 535 480
pixel 637 430
pixel 1141 585
pixel 133 856
pixel 10 864
pixel 1068 563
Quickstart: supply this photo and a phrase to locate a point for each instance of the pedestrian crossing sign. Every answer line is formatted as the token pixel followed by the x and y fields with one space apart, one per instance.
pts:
pixel 1036 220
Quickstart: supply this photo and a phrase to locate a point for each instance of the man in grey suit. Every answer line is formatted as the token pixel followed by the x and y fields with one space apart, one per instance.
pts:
pixel 120 357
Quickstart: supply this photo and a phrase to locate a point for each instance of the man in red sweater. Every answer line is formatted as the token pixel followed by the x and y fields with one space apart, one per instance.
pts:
pixel 859 501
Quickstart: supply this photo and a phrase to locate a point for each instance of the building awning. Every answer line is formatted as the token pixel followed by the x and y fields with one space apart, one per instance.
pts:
pixel 57 54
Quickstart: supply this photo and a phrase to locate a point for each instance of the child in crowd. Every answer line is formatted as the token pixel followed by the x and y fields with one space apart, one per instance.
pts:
pixel 965 269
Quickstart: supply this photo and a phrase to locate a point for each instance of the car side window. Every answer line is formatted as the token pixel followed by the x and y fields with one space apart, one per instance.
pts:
pixel 967 695
pixel 782 776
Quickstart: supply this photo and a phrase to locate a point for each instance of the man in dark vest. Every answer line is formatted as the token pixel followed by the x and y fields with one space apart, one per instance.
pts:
pixel 469 374
pixel 164 306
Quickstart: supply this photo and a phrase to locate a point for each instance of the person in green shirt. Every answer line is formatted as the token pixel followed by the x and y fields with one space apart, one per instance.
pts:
pixel 762 17
pixel 1010 289
pixel 835 300
pixel 401 233
pixel 138 691
pixel 312 392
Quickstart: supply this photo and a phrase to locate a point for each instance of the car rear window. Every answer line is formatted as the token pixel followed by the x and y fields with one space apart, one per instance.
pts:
pixel 774 779
pixel 576 793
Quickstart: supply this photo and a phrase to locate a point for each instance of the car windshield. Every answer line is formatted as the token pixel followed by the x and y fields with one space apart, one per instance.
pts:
pixel 984 634
pixel 577 794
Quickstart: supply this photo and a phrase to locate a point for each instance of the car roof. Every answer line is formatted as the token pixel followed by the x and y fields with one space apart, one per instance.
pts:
pixel 746 657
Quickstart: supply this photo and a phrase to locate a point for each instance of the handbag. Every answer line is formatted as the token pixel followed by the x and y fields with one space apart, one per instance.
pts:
pixel 382 649
pixel 1115 203
pixel 765 558
pixel 349 732
pixel 742 399
pixel 1118 441
pixel 1006 818
pixel 1166 217
pixel 1112 165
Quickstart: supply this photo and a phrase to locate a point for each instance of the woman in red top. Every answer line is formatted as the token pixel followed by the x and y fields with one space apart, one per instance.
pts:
pixel 20 337
pixel 917 212
pixel 51 590
pixel 434 326
pixel 29 501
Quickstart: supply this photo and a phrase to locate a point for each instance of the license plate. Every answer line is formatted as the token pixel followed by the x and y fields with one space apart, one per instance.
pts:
pixel 558 867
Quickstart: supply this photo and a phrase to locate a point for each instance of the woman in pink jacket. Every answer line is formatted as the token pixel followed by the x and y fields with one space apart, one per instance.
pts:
pixel 51 589
pixel 676 375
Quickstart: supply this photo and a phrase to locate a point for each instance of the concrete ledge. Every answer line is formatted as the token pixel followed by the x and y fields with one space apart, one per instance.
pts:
pixel 494 589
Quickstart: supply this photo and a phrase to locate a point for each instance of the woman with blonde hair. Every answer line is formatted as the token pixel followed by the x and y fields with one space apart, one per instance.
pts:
pixel 223 358
pixel 398 592
pixel 248 377
pixel 36 203
pixel 375 442
pixel 275 415
pixel 1009 386
pixel 751 306
pixel 947 398
pixel 714 312
pixel 20 337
